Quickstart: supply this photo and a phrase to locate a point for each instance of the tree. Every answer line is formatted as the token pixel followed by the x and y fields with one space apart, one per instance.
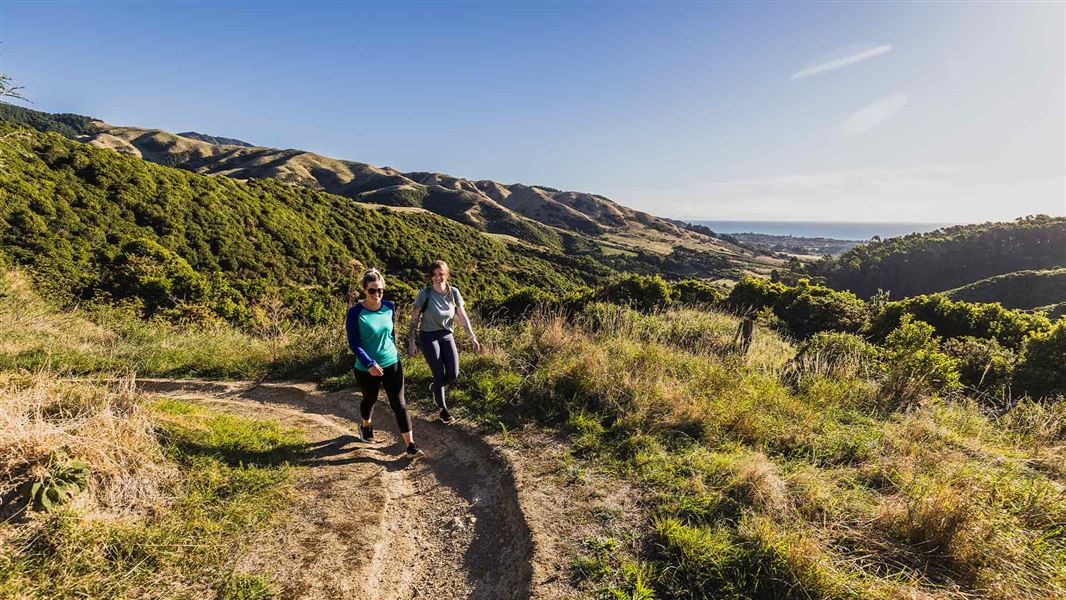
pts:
pixel 1041 371
pixel 9 140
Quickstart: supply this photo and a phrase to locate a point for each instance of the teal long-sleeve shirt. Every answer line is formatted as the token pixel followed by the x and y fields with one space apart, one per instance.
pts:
pixel 370 335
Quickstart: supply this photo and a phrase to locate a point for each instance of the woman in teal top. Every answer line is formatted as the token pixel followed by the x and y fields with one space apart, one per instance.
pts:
pixel 370 336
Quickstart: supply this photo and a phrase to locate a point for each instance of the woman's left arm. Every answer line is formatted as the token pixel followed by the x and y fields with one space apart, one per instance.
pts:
pixel 460 312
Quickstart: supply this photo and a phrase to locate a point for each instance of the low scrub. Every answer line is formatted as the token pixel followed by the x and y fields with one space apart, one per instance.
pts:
pixel 172 491
pixel 838 470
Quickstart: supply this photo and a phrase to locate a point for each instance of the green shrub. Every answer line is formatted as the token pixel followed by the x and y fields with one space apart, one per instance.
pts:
pixel 1041 369
pixel 808 309
pixel 754 293
pixel 519 304
pixel 160 278
pixel 805 309
pixel 984 365
pixel 914 364
pixel 694 291
pixel 957 319
pixel 642 292
pixel 838 355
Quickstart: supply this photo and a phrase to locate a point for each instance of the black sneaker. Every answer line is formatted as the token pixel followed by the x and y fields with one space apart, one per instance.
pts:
pixel 414 451
pixel 366 432
pixel 445 416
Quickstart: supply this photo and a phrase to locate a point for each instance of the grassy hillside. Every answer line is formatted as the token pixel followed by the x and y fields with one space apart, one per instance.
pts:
pixel 1023 289
pixel 134 498
pixel 542 216
pixel 91 221
pixel 66 124
pixel 947 258
pixel 789 471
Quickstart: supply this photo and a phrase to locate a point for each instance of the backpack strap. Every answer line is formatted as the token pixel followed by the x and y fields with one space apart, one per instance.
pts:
pixel 425 303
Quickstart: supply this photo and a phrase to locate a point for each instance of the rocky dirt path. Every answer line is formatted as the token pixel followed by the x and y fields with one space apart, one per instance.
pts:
pixel 368 523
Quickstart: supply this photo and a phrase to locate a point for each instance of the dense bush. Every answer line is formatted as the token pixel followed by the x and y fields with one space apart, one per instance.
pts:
pixel 984 365
pixel 914 364
pixel 922 263
pixel 1041 369
pixel 145 270
pixel 694 291
pixel 72 211
pixel 953 319
pixel 641 292
pixel 519 304
pixel 805 308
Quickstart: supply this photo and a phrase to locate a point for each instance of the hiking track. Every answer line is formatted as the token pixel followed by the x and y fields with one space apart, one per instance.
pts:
pixel 370 523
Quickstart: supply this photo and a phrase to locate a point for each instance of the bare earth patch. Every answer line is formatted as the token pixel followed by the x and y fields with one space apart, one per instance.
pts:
pixel 496 517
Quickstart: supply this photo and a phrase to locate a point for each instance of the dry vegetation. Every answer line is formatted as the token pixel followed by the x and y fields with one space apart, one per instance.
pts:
pixel 107 494
pixel 774 477
pixel 767 475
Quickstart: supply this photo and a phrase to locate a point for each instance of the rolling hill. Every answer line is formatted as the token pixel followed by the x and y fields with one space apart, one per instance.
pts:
pixel 541 216
pixel 949 258
pixel 1021 289
pixel 92 221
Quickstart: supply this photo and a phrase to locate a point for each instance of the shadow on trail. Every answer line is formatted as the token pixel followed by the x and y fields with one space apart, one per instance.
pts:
pixel 498 562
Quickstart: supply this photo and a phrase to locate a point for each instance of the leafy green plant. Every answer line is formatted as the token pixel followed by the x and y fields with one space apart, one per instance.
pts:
pixel 805 308
pixel 951 319
pixel 60 483
pixel 984 365
pixel 1041 369
pixel 694 291
pixel 914 363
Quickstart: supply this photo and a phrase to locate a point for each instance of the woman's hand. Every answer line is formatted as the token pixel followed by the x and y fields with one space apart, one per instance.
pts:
pixel 476 344
pixel 376 371
pixel 412 349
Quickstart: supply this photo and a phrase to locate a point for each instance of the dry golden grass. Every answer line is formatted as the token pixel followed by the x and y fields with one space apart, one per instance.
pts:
pixel 782 478
pixel 44 420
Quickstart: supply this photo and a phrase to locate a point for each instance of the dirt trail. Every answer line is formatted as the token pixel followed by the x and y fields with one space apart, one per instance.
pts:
pixel 371 524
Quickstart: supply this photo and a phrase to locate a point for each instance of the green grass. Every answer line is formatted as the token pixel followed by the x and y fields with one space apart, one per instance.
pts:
pixel 765 481
pixel 235 476
pixel 763 476
pixel 103 339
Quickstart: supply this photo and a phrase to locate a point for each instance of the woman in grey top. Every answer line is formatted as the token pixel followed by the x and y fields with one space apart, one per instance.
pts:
pixel 436 307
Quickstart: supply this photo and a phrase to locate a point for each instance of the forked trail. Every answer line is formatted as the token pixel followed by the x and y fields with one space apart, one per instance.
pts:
pixel 367 522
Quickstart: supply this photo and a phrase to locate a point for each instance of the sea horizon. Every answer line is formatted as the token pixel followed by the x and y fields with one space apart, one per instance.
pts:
pixel 838 230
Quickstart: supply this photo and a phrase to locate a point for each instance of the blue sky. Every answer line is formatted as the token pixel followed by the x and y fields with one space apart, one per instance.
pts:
pixel 865 112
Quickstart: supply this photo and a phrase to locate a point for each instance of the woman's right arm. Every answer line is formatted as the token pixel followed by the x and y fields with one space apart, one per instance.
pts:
pixel 351 328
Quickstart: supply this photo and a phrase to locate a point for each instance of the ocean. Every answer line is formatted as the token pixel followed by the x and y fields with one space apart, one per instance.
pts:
pixel 838 230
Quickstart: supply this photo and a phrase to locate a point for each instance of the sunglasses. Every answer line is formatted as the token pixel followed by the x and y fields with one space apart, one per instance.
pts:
pixel 375 291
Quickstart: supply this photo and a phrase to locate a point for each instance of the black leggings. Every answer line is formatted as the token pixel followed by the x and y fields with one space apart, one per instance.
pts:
pixel 393 381
pixel 439 349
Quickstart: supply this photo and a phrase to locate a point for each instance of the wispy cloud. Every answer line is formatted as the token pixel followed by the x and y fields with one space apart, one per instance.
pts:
pixel 841 62
pixel 872 115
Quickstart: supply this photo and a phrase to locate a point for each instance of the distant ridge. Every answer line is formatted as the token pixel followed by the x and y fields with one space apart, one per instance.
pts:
pixel 539 215
pixel 576 223
pixel 218 141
